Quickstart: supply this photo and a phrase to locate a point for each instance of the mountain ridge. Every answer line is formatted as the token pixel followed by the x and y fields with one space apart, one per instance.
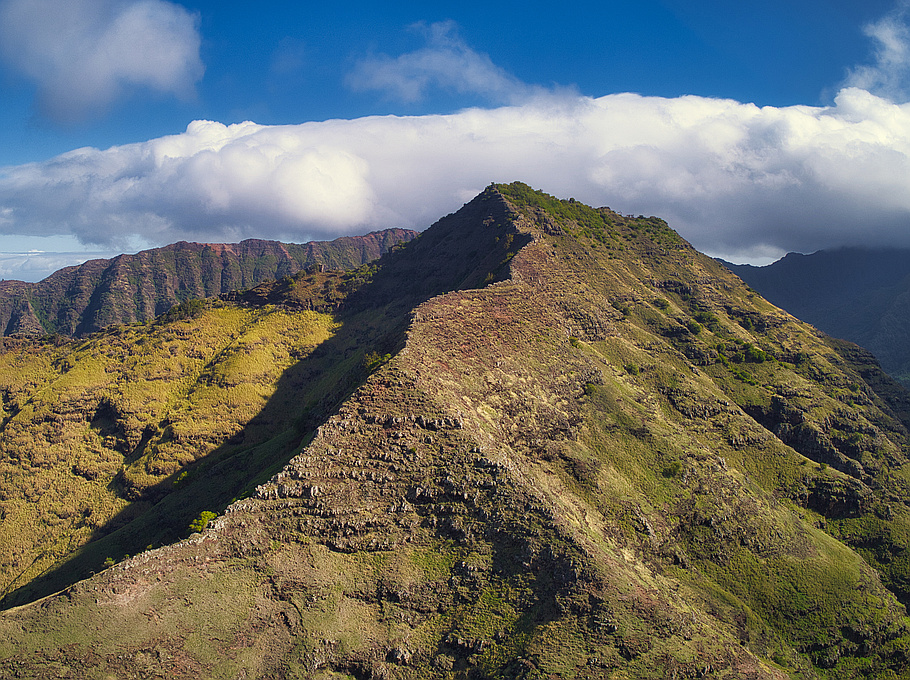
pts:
pixel 859 294
pixel 78 300
pixel 579 449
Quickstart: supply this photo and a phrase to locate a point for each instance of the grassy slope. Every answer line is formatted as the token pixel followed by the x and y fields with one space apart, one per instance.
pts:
pixel 854 293
pixel 577 471
pixel 99 431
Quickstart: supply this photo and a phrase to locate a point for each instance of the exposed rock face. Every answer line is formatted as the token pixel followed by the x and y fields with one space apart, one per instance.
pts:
pixel 22 318
pixel 79 300
pixel 564 454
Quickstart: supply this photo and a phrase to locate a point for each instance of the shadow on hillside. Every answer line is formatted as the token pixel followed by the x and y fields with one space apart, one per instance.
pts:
pixel 466 250
pixel 163 513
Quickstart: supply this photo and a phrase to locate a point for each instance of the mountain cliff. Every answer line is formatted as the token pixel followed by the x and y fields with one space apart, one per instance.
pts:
pixel 539 440
pixel 862 295
pixel 76 301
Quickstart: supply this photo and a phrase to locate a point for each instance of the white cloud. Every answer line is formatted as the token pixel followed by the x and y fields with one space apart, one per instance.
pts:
pixel 889 76
pixel 735 179
pixel 446 62
pixel 35 266
pixel 82 54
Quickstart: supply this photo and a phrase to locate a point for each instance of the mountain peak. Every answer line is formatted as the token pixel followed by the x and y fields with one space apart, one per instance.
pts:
pixel 539 440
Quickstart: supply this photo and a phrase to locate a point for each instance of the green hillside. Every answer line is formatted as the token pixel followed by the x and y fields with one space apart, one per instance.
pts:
pixel 858 294
pixel 538 441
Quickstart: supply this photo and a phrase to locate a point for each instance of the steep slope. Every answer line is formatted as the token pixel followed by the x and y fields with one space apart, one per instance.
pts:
pixel 575 447
pixel 79 300
pixel 107 444
pixel 857 294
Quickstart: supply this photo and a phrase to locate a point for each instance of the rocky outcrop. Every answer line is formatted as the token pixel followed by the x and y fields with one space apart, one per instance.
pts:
pixel 860 294
pixel 22 319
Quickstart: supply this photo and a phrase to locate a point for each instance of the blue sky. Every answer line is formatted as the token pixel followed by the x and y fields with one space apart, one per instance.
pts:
pixel 753 128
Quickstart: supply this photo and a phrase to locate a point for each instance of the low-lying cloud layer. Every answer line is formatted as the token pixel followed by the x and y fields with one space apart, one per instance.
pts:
pixel 81 54
pixel 736 180
pixel 34 266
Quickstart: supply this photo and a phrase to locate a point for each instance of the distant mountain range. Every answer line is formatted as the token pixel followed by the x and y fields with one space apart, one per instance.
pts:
pixel 79 300
pixel 861 295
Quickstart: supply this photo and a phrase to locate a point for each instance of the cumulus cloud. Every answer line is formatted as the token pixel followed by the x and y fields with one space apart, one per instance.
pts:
pixel 889 75
pixel 446 62
pixel 736 180
pixel 82 54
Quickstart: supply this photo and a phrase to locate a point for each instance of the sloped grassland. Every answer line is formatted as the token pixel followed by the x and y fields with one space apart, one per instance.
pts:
pixel 859 294
pixel 562 443
pixel 99 432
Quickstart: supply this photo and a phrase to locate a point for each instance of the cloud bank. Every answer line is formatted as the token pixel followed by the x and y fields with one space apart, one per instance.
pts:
pixel 82 54
pixel 737 180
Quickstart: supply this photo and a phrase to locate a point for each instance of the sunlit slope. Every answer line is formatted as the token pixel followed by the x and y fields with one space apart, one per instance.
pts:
pixel 860 294
pixel 95 433
pixel 576 448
